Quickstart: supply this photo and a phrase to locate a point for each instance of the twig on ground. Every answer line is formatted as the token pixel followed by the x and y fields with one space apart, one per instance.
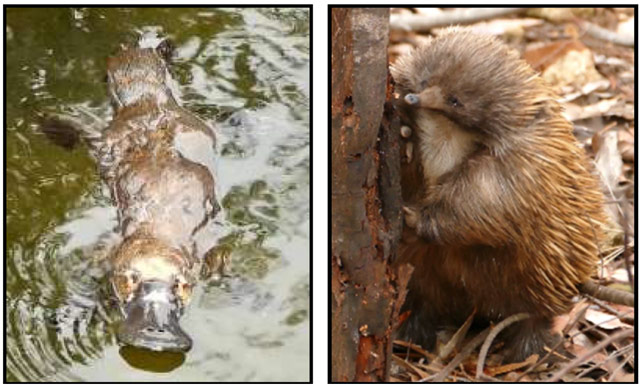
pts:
pixel 579 316
pixel 466 351
pixel 613 355
pixel 606 307
pixel 627 359
pixel 422 23
pixel 600 33
pixel 457 338
pixel 607 294
pixel 410 367
pixel 492 335
pixel 627 252
pixel 596 348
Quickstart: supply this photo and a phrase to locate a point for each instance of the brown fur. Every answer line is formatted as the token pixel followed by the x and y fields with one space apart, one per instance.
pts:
pixel 511 223
pixel 163 197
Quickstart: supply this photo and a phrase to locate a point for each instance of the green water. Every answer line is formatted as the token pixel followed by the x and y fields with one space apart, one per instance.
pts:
pixel 250 63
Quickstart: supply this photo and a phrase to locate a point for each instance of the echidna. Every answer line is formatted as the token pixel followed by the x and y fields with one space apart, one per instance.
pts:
pixel 503 211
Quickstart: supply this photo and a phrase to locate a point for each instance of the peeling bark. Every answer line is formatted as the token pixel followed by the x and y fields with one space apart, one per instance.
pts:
pixel 366 291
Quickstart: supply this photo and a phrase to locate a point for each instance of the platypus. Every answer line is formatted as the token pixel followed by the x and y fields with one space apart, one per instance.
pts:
pixel 163 199
pixel 157 159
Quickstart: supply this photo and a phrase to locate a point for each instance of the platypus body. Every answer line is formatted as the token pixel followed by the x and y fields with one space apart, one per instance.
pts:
pixel 163 199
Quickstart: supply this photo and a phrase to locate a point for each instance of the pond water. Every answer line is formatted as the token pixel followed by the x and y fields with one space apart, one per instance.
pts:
pixel 245 72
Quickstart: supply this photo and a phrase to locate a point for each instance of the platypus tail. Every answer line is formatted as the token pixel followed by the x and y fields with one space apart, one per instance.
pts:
pixel 69 132
pixel 61 132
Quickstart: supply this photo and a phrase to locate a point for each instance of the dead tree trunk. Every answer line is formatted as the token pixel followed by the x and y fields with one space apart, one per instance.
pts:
pixel 367 292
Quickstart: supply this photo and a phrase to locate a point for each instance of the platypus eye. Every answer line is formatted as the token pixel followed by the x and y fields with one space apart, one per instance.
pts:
pixel 183 289
pixel 125 283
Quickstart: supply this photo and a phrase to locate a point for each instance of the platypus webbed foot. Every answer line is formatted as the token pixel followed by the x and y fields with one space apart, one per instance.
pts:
pixel 152 319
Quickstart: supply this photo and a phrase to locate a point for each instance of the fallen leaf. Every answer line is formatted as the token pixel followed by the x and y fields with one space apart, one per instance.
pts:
pixel 604 320
pixel 623 377
pixel 599 85
pixel 513 376
pixel 620 275
pixel 626 144
pixel 556 15
pixel 575 112
pixel 582 340
pixel 567 63
pixel 608 159
pixel 627 27
pixel 498 370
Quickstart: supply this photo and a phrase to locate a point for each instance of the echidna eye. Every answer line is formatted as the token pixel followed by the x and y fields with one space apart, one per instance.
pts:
pixel 453 101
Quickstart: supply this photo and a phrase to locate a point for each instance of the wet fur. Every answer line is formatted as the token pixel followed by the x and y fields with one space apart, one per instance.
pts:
pixel 163 197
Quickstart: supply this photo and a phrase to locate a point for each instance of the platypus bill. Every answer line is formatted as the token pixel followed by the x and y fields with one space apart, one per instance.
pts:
pixel 163 199
pixel 153 285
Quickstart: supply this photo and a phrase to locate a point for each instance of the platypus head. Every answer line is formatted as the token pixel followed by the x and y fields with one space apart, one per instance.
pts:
pixel 137 74
pixel 153 283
